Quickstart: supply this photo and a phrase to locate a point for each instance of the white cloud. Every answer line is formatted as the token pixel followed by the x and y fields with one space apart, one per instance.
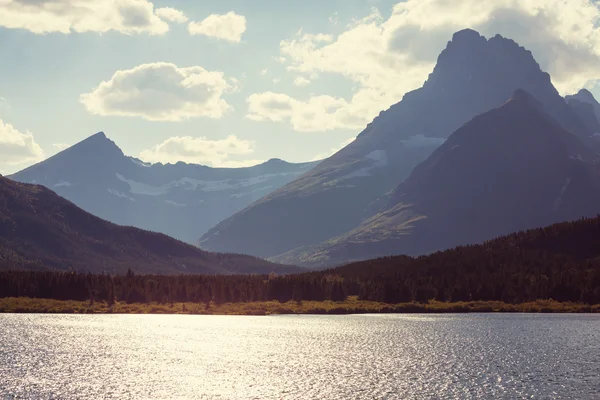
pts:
pixel 334 18
pixel 333 150
pixel 230 26
pixel 385 58
pixel 263 72
pixel 276 80
pixel 240 163
pixel 318 113
pixel 161 92
pixel 18 148
pixel 66 16
pixel 171 14
pixel 201 150
pixel 301 81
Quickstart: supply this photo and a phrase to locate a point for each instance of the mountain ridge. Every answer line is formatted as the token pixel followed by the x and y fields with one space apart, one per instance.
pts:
pixel 511 168
pixel 41 230
pixel 473 75
pixel 182 200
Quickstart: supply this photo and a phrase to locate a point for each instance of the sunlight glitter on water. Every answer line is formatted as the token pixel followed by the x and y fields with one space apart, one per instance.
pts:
pixel 299 357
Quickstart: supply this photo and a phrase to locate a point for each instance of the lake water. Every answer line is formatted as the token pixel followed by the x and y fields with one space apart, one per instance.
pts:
pixel 495 356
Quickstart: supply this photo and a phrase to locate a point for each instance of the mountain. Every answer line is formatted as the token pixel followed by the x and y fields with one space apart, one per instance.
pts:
pixel 472 75
pixel 41 230
pixel 506 170
pixel 560 262
pixel 180 200
pixel 588 109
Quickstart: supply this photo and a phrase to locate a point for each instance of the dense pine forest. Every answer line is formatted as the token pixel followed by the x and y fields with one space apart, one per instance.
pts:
pixel 560 262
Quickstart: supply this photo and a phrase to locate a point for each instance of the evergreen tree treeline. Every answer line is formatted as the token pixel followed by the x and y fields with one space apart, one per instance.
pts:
pixel 560 262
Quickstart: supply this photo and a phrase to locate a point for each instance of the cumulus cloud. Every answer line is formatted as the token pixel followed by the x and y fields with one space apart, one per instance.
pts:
pixel 230 26
pixel 18 148
pixel 161 92
pixel 171 15
pixel 66 16
pixel 301 81
pixel 201 150
pixel 385 58
pixel 318 113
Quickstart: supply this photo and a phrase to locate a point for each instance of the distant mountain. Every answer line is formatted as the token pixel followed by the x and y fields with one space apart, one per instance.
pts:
pixel 473 75
pixel 586 106
pixel 40 230
pixel 509 169
pixel 181 200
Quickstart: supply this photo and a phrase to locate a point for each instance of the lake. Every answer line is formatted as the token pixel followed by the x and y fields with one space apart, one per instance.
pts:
pixel 499 356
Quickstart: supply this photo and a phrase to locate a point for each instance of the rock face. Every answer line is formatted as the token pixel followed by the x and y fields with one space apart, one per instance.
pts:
pixel 509 169
pixel 473 75
pixel 41 230
pixel 181 200
pixel 588 109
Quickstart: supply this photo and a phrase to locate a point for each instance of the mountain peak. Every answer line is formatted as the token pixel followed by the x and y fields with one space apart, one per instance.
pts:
pixel 467 36
pixel 585 96
pixel 98 143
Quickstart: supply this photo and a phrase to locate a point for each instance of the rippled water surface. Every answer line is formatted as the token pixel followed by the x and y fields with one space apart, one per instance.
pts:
pixel 300 357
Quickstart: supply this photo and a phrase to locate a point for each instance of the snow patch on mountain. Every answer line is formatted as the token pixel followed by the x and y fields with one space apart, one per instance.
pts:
pixel 380 160
pixel 561 194
pixel 140 162
pixel 120 194
pixel 197 184
pixel 62 184
pixel 174 203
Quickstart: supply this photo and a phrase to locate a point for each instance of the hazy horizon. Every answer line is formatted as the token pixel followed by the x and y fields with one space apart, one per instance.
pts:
pixel 236 84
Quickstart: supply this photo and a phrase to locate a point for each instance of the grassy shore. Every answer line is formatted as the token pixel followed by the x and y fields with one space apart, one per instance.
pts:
pixel 349 306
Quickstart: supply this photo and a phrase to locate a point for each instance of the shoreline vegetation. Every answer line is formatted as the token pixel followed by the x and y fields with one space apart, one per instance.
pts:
pixel 349 306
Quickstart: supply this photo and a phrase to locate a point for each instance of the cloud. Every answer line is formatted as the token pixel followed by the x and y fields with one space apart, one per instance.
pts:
pixel 333 150
pixel 171 14
pixel 334 18
pixel 230 26
pixel 318 113
pixel 301 81
pixel 18 148
pixel 66 16
pixel 385 58
pixel 161 92
pixel 201 151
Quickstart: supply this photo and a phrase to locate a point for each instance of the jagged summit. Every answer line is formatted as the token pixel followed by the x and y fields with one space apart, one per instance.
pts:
pixel 473 75
pixel 95 146
pixel 585 94
pixel 182 200
pixel 467 35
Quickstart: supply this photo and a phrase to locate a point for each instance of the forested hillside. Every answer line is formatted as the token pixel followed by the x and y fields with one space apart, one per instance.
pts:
pixel 42 231
pixel 560 262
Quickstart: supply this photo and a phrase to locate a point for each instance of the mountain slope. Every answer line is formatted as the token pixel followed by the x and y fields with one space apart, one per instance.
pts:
pixel 181 200
pixel 509 169
pixel 39 229
pixel 588 109
pixel 472 76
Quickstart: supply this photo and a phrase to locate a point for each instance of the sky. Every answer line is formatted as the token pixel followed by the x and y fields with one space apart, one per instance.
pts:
pixel 235 82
